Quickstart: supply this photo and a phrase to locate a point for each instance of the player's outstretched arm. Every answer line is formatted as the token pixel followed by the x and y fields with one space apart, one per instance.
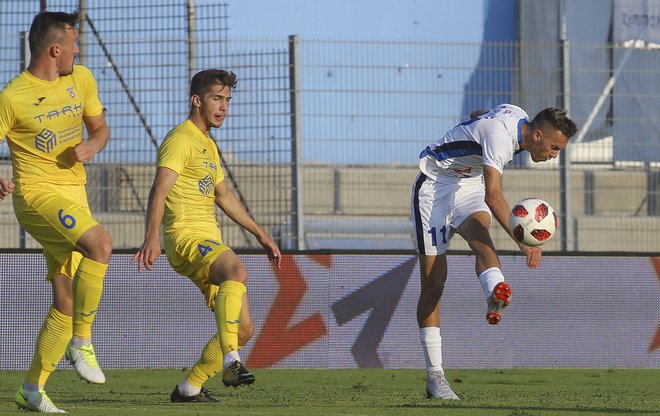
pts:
pixel 234 208
pixel 98 136
pixel 6 187
pixel 150 249
pixel 500 209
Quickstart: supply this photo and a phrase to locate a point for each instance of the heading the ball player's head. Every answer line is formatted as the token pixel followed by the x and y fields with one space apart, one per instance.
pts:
pixel 548 133
pixel 210 93
pixel 53 40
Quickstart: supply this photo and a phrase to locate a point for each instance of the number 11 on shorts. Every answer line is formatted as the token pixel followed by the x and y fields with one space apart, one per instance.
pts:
pixel 434 236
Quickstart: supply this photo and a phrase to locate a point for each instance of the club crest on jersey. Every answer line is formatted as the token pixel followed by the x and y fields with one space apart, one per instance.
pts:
pixel 45 141
pixel 72 92
pixel 206 185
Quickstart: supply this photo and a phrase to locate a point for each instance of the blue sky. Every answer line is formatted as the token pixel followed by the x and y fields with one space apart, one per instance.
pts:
pixel 440 20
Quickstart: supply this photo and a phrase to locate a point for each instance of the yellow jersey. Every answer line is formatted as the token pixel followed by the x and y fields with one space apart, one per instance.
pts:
pixel 191 202
pixel 43 122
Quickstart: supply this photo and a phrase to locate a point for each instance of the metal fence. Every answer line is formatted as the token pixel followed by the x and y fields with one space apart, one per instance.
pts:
pixel 323 135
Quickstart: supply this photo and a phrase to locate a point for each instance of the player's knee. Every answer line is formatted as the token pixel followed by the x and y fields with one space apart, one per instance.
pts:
pixel 433 287
pixel 237 272
pixel 103 246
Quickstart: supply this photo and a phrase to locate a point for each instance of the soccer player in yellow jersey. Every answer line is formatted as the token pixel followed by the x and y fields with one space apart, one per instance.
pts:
pixel 42 112
pixel 189 183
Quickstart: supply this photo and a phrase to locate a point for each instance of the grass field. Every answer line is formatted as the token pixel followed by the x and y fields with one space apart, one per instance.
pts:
pixel 521 392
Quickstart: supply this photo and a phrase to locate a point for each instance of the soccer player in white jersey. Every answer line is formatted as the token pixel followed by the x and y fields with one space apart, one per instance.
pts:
pixel 458 189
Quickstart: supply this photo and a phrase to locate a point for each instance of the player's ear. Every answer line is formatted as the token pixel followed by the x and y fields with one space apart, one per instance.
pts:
pixel 195 101
pixel 54 50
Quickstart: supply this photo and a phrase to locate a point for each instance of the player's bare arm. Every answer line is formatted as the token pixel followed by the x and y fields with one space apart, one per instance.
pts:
pixel 500 209
pixel 234 208
pixel 98 135
pixel 6 188
pixel 150 249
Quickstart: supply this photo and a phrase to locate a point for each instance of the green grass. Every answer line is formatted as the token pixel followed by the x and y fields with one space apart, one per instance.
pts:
pixel 521 392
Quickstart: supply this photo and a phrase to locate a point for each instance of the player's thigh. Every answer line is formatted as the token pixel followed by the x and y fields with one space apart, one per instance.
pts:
pixel 56 222
pixel 191 254
pixel 431 214
pixel 470 202
pixel 227 266
pixel 475 227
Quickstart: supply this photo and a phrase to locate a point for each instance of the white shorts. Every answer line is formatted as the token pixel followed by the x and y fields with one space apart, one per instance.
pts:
pixel 438 209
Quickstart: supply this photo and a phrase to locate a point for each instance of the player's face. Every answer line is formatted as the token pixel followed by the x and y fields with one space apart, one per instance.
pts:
pixel 547 145
pixel 215 105
pixel 68 48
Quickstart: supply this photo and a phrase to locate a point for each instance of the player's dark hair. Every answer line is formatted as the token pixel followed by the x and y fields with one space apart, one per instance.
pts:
pixel 48 28
pixel 557 119
pixel 203 81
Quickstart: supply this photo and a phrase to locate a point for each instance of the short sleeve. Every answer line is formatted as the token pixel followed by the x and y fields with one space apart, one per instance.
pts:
pixel 93 105
pixel 6 115
pixel 174 152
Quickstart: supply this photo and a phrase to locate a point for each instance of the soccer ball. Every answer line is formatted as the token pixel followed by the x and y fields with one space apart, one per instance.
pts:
pixel 532 221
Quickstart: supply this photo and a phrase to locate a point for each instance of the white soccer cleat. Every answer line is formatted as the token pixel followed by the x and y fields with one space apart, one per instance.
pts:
pixel 84 361
pixel 437 386
pixel 36 401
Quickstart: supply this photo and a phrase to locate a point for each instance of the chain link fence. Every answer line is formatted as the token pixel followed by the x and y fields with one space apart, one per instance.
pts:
pixel 323 135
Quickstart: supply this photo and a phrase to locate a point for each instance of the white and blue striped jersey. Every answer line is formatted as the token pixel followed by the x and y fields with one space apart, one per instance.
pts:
pixel 490 139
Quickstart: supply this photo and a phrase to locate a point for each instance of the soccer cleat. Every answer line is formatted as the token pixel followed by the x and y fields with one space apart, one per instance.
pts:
pixel 203 397
pixel 497 301
pixel 236 375
pixel 36 401
pixel 437 386
pixel 84 361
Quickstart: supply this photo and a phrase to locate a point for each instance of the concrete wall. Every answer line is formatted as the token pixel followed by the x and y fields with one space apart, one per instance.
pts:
pixel 358 207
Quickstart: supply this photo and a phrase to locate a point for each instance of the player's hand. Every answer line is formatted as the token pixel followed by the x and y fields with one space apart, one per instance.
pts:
pixel 533 255
pixel 273 251
pixel 83 152
pixel 6 187
pixel 147 254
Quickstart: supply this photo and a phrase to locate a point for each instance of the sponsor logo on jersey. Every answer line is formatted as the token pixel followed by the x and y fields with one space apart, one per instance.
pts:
pixel 67 110
pixel 45 141
pixel 39 100
pixel 463 172
pixel 206 185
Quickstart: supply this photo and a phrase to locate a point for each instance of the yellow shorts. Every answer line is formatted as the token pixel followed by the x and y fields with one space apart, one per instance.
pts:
pixel 191 253
pixel 56 216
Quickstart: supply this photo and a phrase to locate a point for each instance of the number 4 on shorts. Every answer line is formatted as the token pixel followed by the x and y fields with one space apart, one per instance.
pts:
pixel 203 249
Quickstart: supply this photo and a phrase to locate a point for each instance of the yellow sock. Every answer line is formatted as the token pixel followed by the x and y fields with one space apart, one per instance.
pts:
pixel 87 289
pixel 208 364
pixel 51 342
pixel 228 304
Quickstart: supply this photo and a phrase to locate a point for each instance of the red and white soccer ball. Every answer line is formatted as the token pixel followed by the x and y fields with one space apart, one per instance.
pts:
pixel 532 221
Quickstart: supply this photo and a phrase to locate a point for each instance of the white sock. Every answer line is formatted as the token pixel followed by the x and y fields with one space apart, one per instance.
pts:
pixel 432 345
pixel 489 279
pixel 80 342
pixel 229 358
pixel 187 389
